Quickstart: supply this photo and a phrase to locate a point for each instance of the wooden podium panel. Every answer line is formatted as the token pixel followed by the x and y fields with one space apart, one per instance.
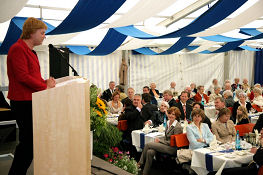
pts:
pixel 61 129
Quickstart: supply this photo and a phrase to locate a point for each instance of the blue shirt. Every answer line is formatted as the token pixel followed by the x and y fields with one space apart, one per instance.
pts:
pixel 193 133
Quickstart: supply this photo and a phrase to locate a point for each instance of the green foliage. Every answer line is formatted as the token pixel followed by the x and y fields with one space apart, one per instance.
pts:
pixel 104 134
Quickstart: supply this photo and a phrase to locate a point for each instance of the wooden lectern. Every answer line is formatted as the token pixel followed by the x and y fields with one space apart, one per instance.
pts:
pixel 61 128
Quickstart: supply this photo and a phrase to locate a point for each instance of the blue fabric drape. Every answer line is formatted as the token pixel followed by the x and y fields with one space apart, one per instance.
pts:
pixel 248 48
pixel 213 15
pixel 258 77
pixel 87 14
pixel 109 44
pixel 249 31
pixel 179 45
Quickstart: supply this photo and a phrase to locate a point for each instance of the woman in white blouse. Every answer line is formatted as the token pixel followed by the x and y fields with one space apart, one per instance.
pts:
pixel 258 99
pixel 115 106
pixel 198 133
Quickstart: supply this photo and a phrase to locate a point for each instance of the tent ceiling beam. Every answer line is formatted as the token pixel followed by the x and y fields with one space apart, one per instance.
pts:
pixel 185 12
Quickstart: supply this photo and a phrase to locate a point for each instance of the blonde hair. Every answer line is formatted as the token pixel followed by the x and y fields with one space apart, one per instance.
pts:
pixel 244 114
pixel 30 26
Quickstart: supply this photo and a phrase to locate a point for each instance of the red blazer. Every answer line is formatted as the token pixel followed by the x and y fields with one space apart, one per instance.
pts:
pixel 23 72
pixel 198 97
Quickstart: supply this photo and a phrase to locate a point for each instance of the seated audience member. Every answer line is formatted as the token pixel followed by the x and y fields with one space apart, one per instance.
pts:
pixel 228 96
pixel 206 120
pixel 191 99
pixel 251 96
pixel 193 88
pixel 185 108
pixel 227 86
pixel 198 133
pixel 168 97
pixel 162 144
pixel 236 94
pixel 133 116
pixel 223 128
pixel 245 86
pixel 160 116
pixel 115 106
pixel 128 100
pixel 154 92
pixel 259 125
pixel 219 103
pixel 258 99
pixel 148 108
pixel 253 166
pixel 211 88
pixel 242 116
pixel 241 102
pixel 146 90
pixel 236 85
pixel 120 89
pixel 173 90
pixel 201 96
pixel 216 93
pixel 107 94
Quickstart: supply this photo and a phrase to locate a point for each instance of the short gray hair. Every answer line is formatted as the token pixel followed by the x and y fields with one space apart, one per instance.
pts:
pixel 243 94
pixel 257 90
pixel 217 87
pixel 239 91
pixel 228 93
pixel 166 104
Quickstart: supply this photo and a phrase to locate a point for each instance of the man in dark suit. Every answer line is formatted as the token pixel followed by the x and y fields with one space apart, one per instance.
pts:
pixel 168 97
pixel 107 94
pixel 146 90
pixel 133 116
pixel 185 108
pixel 259 125
pixel 148 108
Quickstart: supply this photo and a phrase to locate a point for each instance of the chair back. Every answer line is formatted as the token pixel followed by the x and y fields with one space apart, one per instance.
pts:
pixel 260 170
pixel 122 125
pixel 257 108
pixel 179 140
pixel 245 128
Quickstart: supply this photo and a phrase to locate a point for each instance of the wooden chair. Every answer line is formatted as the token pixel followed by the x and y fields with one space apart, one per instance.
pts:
pixel 244 128
pixel 122 125
pixel 179 140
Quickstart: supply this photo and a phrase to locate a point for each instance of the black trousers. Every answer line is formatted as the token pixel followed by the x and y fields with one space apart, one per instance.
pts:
pixel 22 111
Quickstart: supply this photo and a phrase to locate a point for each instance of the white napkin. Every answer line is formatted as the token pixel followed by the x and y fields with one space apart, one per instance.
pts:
pixel 161 128
pixel 213 144
pixel 146 129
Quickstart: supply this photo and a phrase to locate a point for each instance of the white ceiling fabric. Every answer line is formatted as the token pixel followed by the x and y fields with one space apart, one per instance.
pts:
pixel 141 11
pixel 202 47
pixel 9 8
pixel 249 15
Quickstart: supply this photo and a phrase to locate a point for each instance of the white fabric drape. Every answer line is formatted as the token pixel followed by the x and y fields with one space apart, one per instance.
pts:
pixel 100 70
pixel 134 43
pixel 59 39
pixel 9 8
pixel 141 11
pixel 181 68
pixel 241 65
pixel 249 15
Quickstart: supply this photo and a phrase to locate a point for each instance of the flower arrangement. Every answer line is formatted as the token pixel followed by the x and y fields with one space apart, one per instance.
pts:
pixel 104 135
pixel 122 160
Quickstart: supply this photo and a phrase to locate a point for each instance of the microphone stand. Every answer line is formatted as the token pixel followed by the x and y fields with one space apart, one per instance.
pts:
pixel 73 70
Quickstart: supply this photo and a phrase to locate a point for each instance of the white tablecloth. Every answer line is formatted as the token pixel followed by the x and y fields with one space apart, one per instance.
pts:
pixel 216 160
pixel 139 139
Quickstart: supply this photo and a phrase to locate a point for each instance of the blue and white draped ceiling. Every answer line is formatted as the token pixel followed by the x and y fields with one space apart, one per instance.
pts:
pixel 95 12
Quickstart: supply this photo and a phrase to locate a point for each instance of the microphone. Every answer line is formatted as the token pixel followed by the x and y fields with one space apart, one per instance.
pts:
pixel 52 47
pixel 60 51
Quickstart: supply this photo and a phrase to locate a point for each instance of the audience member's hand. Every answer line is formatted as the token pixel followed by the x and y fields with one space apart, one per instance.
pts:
pixel 51 82
pixel 149 122
pixel 157 140
pixel 200 140
pixel 139 106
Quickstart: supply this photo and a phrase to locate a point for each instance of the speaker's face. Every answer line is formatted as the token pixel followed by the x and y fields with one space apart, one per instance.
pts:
pixel 38 36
